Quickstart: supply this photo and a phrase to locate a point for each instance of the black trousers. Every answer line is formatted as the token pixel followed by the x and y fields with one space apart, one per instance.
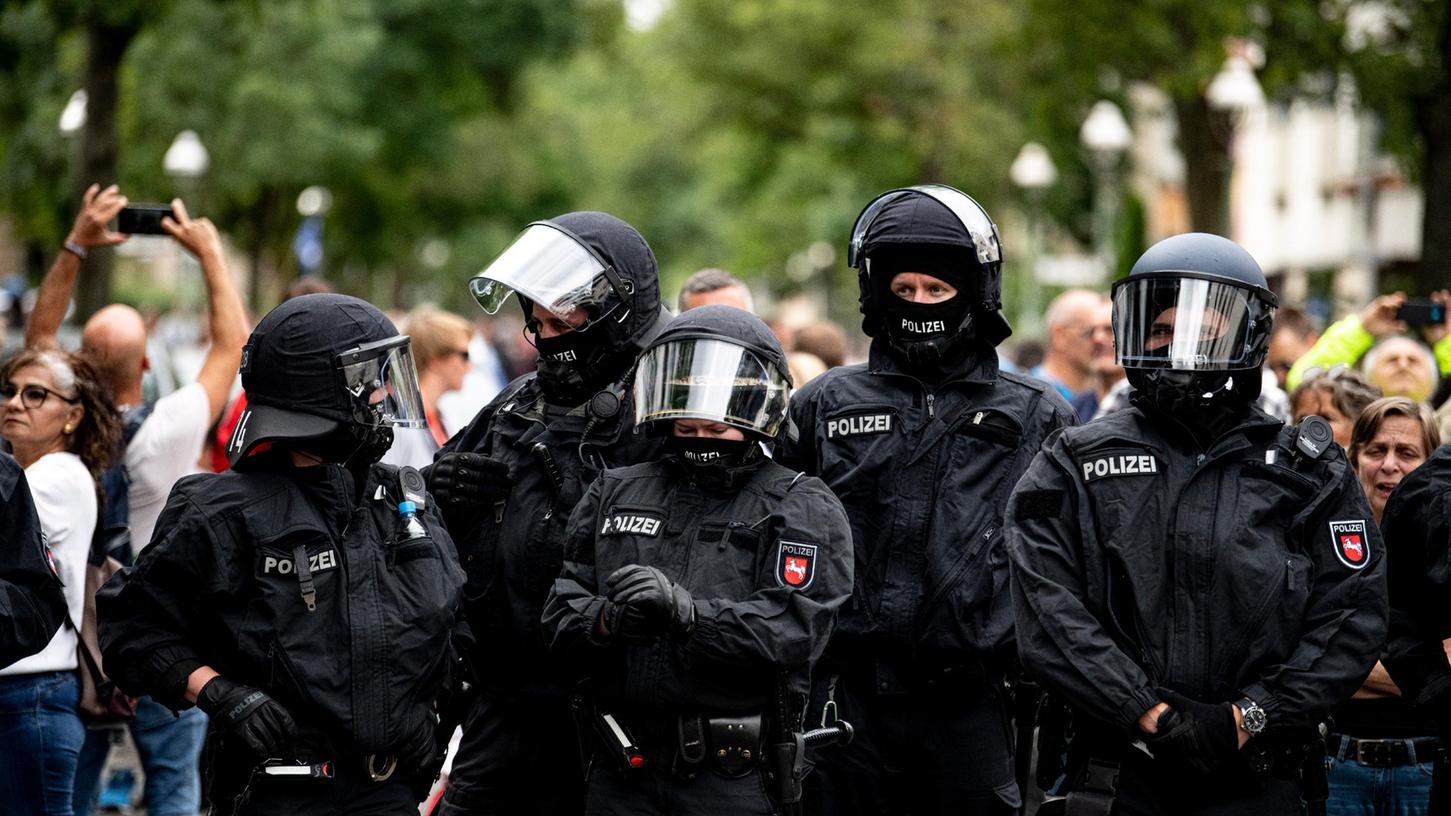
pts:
pixel 937 751
pixel 656 791
pixel 518 756
pixel 1148 788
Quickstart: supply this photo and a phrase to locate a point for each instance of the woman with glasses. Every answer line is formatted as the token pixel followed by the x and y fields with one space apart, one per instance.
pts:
pixel 1338 394
pixel 62 429
pixel 1382 750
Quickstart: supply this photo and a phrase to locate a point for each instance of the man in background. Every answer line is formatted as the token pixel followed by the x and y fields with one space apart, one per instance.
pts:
pixel 715 286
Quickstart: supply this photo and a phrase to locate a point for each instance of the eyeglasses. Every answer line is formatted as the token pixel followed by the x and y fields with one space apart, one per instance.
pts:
pixel 1335 372
pixel 32 396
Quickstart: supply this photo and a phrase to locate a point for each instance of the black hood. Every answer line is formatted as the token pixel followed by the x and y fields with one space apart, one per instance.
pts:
pixel 622 247
pixel 942 232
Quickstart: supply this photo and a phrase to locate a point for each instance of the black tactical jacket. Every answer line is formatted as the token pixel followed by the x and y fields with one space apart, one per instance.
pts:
pixel 768 565
pixel 924 474
pixel 1417 527
pixel 219 586
pixel 32 605
pixel 1141 561
pixel 520 548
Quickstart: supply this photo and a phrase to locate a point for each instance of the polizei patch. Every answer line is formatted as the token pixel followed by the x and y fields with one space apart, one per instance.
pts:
pixel 858 425
pixel 796 565
pixel 1120 464
pixel 282 564
pixel 630 524
pixel 1352 545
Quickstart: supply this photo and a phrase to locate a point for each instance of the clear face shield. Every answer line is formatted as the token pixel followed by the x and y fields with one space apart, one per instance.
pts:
pixel 973 217
pixel 382 381
pixel 710 379
pixel 1183 323
pixel 550 267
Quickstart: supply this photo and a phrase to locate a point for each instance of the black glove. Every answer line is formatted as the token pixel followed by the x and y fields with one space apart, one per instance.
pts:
pixel 1200 737
pixel 466 487
pixel 663 606
pixel 468 478
pixel 419 748
pixel 248 714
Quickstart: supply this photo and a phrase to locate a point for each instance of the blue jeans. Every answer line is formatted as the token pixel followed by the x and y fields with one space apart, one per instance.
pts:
pixel 170 748
pixel 42 735
pixel 1362 790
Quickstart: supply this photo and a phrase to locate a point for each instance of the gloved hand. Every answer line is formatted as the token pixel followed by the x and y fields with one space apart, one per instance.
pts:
pixel 1199 737
pixel 419 748
pixel 468 478
pixel 663 606
pixel 248 714
pixel 466 487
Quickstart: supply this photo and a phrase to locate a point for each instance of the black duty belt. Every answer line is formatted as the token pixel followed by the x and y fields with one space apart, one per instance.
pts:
pixel 1384 753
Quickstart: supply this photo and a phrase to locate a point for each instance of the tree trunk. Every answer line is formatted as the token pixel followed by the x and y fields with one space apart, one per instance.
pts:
pixel 100 147
pixel 1434 114
pixel 1203 138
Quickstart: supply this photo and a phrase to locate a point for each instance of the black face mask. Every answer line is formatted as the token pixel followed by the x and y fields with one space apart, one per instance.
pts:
pixel 353 446
pixel 926 334
pixel 1208 402
pixel 571 367
pixel 711 452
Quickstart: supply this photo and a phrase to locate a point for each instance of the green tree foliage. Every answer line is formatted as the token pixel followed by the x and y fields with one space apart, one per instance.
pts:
pixel 739 134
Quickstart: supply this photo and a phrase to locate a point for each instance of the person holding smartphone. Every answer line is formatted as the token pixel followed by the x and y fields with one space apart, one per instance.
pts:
pixel 1404 344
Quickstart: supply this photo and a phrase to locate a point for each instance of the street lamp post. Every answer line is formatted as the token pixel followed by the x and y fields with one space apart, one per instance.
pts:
pixel 1106 135
pixel 186 161
pixel 1033 172
pixel 1232 94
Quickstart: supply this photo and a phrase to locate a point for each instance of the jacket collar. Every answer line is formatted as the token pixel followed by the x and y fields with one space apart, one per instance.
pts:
pixel 978 366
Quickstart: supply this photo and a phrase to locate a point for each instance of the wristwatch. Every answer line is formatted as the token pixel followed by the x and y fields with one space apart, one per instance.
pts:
pixel 1252 717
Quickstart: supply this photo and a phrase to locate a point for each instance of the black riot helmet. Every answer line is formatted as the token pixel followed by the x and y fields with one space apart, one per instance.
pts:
pixel 1191 324
pixel 717 363
pixel 329 374
pixel 592 271
pixel 939 231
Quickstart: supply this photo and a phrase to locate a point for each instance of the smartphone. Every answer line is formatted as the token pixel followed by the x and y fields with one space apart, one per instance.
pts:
pixel 143 219
pixel 1422 312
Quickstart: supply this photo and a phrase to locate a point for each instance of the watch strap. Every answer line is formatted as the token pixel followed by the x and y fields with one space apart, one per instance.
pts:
pixel 75 249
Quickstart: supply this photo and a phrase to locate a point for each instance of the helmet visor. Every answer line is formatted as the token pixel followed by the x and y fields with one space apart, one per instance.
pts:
pixel 973 217
pixel 1187 324
pixel 548 266
pixel 382 381
pixel 711 379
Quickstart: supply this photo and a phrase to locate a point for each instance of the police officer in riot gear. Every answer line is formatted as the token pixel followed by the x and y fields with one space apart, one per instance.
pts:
pixel 698 589
pixel 1200 583
pixel 923 444
pixel 589 288
pixel 304 599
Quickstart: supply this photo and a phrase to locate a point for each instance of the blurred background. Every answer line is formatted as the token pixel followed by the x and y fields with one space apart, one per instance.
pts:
pixel 394 146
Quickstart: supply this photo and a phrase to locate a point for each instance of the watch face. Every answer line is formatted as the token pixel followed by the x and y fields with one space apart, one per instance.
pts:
pixel 1254 718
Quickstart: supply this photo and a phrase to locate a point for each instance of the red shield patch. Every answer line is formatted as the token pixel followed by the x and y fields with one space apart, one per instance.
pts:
pixel 1352 545
pixel 796 565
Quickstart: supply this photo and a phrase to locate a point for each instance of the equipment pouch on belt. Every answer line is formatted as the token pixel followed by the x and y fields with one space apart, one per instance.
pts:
pixel 735 743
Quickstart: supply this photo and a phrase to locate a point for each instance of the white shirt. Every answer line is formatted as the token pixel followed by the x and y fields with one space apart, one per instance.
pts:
pixel 65 500
pixel 166 448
